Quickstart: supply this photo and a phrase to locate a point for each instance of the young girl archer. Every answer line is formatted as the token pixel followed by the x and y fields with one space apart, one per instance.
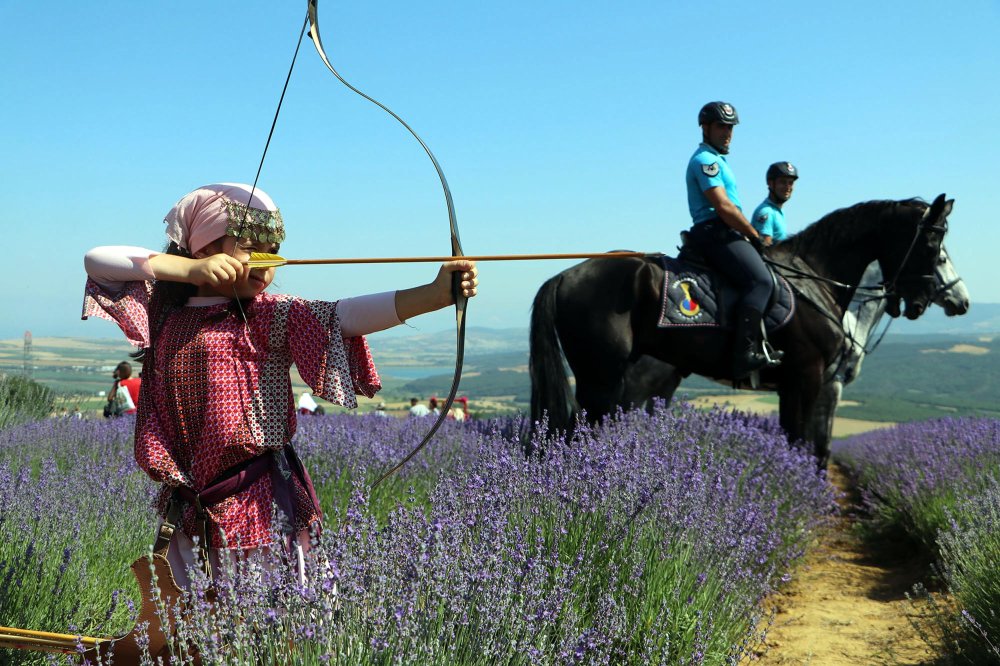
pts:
pixel 216 412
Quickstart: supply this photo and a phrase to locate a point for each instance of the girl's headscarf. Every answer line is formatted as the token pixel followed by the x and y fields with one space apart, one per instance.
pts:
pixel 223 209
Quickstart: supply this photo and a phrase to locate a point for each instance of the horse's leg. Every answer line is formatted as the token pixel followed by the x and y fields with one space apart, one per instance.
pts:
pixel 819 429
pixel 666 389
pixel 598 350
pixel 600 387
pixel 649 378
pixel 595 328
pixel 798 392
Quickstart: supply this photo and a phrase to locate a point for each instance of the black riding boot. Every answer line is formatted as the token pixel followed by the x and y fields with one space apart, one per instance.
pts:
pixel 749 355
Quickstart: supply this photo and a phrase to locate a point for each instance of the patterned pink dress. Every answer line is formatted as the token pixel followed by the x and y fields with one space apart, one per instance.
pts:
pixel 219 393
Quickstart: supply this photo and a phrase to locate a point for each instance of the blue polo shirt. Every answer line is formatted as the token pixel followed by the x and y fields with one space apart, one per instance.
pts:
pixel 769 220
pixel 707 169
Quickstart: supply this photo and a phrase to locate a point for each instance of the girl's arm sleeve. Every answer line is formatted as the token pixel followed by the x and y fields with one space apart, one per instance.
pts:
pixel 112 265
pixel 335 367
pixel 118 289
pixel 364 315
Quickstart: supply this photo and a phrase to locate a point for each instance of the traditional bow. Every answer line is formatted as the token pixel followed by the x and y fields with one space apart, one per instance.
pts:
pixel 461 301
pixel 312 22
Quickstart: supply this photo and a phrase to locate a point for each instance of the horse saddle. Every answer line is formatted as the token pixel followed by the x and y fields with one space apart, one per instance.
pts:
pixel 696 295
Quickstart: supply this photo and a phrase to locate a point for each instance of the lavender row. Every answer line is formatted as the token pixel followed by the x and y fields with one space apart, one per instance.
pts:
pixel 913 474
pixel 74 513
pixel 936 483
pixel 970 554
pixel 651 539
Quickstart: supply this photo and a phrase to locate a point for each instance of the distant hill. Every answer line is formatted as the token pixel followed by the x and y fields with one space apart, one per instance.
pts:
pixel 936 375
pixel 433 345
pixel 75 366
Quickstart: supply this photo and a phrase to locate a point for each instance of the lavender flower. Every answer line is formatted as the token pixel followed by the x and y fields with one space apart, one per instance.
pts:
pixel 649 539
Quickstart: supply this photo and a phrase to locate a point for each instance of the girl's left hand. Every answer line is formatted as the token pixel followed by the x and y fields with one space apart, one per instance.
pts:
pixel 438 294
pixel 469 276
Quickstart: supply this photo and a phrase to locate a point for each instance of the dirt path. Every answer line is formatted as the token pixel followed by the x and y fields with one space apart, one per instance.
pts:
pixel 846 605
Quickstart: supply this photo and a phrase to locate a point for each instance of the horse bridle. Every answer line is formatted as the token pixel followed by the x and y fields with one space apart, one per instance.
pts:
pixel 889 287
pixel 944 286
pixel 897 279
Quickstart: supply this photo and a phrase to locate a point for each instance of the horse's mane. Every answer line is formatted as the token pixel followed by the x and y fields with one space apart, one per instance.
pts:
pixel 833 228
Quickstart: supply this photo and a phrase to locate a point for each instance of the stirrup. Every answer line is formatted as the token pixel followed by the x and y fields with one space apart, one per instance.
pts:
pixel 772 355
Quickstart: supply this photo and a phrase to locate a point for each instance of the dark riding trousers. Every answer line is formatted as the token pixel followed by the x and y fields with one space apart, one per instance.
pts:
pixel 729 252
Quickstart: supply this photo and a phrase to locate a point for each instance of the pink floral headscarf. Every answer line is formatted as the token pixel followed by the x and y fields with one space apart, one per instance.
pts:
pixel 223 209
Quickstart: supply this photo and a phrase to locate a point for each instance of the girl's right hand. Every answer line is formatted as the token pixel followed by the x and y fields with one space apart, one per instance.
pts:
pixel 218 270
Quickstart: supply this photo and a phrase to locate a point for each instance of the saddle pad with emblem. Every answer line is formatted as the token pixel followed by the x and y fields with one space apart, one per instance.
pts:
pixel 693 296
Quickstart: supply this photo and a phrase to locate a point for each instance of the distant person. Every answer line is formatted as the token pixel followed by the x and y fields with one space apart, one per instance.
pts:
pixel 460 410
pixel 77 414
pixel 432 405
pixel 131 384
pixel 769 217
pixel 380 410
pixel 124 394
pixel 307 405
pixel 418 409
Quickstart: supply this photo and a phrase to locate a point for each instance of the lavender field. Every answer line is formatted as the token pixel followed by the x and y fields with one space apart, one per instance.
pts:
pixel 936 485
pixel 652 539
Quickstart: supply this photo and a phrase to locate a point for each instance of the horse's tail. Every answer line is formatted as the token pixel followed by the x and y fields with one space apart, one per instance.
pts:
pixel 550 392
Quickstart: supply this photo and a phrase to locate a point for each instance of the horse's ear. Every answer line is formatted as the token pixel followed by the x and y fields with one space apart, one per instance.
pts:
pixel 936 208
pixel 948 205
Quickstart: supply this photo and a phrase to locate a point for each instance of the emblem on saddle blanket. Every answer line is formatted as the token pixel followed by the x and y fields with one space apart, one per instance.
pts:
pixel 696 296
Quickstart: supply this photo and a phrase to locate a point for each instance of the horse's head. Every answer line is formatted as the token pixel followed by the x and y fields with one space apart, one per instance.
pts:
pixel 952 294
pixel 910 256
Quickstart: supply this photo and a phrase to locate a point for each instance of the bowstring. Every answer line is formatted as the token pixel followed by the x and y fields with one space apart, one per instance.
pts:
pixel 242 228
pixel 263 156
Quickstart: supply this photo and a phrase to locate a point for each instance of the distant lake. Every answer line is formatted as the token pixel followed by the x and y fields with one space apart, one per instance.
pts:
pixel 410 372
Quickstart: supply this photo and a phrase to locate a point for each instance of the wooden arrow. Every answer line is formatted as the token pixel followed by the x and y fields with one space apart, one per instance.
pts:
pixel 43 641
pixel 148 636
pixel 265 260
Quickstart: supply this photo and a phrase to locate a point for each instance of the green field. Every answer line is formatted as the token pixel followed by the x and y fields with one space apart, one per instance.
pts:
pixel 908 377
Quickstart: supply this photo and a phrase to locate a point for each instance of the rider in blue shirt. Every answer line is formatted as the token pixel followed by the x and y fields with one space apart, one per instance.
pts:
pixel 769 218
pixel 721 233
pixel 708 168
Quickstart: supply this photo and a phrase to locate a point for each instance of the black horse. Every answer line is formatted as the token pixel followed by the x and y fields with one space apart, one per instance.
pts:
pixel 603 314
pixel 649 380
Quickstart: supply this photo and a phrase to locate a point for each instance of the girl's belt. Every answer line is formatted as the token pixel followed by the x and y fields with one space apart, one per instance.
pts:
pixel 282 464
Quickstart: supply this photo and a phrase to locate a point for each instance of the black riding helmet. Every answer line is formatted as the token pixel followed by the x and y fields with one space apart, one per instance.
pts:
pixel 782 169
pixel 718 112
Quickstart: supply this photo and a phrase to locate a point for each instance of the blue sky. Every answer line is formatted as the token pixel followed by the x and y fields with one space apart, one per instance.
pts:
pixel 561 127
